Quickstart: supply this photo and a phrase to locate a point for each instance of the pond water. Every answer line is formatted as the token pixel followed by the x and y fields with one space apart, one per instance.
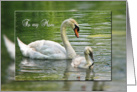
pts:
pixel 95 31
pixel 118 82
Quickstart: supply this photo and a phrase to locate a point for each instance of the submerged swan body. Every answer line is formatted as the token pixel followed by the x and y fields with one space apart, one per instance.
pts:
pixel 45 49
pixel 84 62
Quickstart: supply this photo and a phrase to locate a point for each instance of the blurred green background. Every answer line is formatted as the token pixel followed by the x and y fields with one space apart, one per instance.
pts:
pixel 118 9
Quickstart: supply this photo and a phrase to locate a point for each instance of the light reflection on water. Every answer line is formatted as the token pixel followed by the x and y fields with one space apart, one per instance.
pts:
pixel 99 40
pixel 61 70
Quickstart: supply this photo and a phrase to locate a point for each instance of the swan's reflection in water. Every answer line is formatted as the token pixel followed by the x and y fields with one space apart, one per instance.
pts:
pixel 41 66
pixel 30 69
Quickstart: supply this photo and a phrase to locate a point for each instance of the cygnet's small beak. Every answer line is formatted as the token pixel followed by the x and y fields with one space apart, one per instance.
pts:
pixel 91 55
pixel 76 30
pixel 91 66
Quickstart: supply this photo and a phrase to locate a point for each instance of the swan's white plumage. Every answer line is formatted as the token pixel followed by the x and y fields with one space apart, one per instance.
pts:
pixel 77 61
pixel 42 49
pixel 80 62
pixel 10 47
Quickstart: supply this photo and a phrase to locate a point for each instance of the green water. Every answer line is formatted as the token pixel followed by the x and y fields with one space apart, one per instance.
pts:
pixel 95 31
pixel 118 49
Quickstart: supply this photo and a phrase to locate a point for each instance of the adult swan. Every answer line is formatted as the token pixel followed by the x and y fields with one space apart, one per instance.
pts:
pixel 45 49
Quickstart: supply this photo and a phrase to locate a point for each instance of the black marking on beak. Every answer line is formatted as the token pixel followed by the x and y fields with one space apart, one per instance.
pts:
pixel 91 55
pixel 76 30
pixel 76 27
pixel 91 65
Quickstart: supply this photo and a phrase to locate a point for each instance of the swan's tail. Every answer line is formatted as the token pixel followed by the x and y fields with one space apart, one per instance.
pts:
pixel 27 51
pixel 23 47
pixel 11 50
pixel 10 47
pixel 21 44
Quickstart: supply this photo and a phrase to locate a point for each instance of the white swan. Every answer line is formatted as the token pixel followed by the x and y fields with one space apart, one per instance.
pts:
pixel 84 62
pixel 45 49
pixel 10 46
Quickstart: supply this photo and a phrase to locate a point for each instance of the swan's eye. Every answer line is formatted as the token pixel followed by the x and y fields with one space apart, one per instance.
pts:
pixel 76 27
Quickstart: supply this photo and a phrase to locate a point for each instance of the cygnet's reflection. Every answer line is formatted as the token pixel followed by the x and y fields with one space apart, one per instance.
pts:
pixel 72 73
pixel 61 68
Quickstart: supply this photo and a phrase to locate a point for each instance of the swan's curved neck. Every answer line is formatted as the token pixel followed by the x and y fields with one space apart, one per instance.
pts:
pixel 88 59
pixel 70 51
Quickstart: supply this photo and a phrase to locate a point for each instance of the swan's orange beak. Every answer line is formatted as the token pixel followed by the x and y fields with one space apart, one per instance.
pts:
pixel 76 30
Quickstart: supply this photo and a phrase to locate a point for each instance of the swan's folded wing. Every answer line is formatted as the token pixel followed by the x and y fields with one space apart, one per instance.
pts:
pixel 36 55
pixel 49 48
pixel 77 61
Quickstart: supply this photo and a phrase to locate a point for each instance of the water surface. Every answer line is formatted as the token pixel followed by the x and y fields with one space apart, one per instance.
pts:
pixel 118 82
pixel 95 31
